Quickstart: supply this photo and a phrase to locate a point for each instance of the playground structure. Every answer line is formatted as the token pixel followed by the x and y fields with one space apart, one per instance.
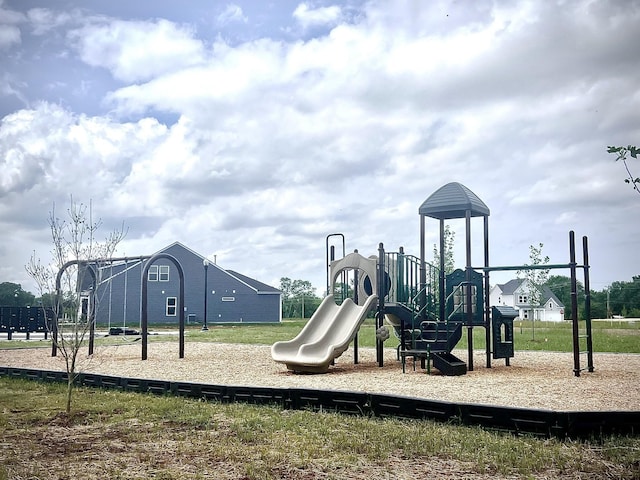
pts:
pixel 87 298
pixel 427 309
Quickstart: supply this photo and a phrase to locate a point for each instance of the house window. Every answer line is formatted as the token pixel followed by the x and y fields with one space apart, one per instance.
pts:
pixel 550 306
pixel 522 299
pixel 525 314
pixel 163 273
pixel 172 304
pixel 152 275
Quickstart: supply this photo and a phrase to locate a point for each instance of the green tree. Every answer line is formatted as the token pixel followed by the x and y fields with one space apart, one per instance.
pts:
pixel 299 299
pixel 449 238
pixel 535 279
pixel 449 261
pixel 622 154
pixel 12 295
pixel 296 288
pixel 599 304
pixel 624 297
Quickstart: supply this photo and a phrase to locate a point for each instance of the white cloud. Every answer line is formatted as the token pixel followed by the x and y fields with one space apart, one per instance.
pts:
pixel 232 13
pixel 135 50
pixel 43 19
pixel 278 143
pixel 308 16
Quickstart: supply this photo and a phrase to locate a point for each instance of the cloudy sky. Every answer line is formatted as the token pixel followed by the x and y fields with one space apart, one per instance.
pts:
pixel 250 130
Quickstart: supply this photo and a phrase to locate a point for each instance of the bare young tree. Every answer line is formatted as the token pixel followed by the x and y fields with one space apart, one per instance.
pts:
pixel 535 278
pixel 75 247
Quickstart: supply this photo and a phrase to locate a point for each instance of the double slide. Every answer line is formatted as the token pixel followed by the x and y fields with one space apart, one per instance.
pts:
pixel 325 337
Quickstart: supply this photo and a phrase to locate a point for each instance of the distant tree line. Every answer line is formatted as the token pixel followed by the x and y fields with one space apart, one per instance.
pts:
pixel 299 299
pixel 620 298
pixel 13 295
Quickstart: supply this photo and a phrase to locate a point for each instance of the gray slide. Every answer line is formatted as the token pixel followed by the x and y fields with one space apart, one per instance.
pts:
pixel 325 337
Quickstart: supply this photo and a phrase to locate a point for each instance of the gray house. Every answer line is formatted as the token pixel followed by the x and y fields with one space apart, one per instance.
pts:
pixel 231 297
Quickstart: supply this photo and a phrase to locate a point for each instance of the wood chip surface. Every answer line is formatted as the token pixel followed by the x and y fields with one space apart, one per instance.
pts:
pixel 540 380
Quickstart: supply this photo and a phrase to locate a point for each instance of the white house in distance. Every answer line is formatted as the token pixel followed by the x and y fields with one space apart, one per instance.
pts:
pixel 515 293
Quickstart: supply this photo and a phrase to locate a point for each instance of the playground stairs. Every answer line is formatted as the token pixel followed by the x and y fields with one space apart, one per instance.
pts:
pixel 583 347
pixel 429 337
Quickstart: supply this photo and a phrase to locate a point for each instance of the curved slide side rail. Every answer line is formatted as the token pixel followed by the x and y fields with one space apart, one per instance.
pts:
pixel 310 333
pixel 326 336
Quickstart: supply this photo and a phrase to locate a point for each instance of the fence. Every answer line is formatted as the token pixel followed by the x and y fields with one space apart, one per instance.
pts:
pixel 25 320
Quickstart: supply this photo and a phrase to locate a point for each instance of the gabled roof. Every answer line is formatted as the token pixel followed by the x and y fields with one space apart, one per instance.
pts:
pixel 259 287
pixel 512 285
pixel 255 284
pixel 181 245
pixel 453 200
pixel 549 295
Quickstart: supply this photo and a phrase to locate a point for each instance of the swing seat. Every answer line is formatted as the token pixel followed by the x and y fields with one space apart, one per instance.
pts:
pixel 123 331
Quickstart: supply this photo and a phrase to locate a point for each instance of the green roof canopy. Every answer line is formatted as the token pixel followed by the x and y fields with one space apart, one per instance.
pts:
pixel 453 200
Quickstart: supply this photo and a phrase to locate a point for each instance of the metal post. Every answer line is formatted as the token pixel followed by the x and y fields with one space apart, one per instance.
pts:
pixel 587 303
pixel 487 306
pixel 54 320
pixel 574 304
pixel 92 318
pixel 144 311
pixel 206 293
pixel 441 287
pixel 355 300
pixel 126 293
pixel 182 308
pixel 423 263
pixel 144 324
pixel 380 316
pixel 329 260
pixel 91 306
pixel 468 302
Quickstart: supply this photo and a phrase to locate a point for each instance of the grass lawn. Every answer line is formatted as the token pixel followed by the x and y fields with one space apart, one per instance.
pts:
pixel 623 337
pixel 613 337
pixel 114 434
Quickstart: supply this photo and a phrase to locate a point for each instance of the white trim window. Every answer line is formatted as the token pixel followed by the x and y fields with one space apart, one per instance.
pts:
pixel 172 306
pixel 152 274
pixel 163 273
pixel 522 299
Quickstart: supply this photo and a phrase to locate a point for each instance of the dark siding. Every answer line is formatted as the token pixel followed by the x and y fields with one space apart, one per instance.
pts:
pixel 123 311
pixel 248 305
